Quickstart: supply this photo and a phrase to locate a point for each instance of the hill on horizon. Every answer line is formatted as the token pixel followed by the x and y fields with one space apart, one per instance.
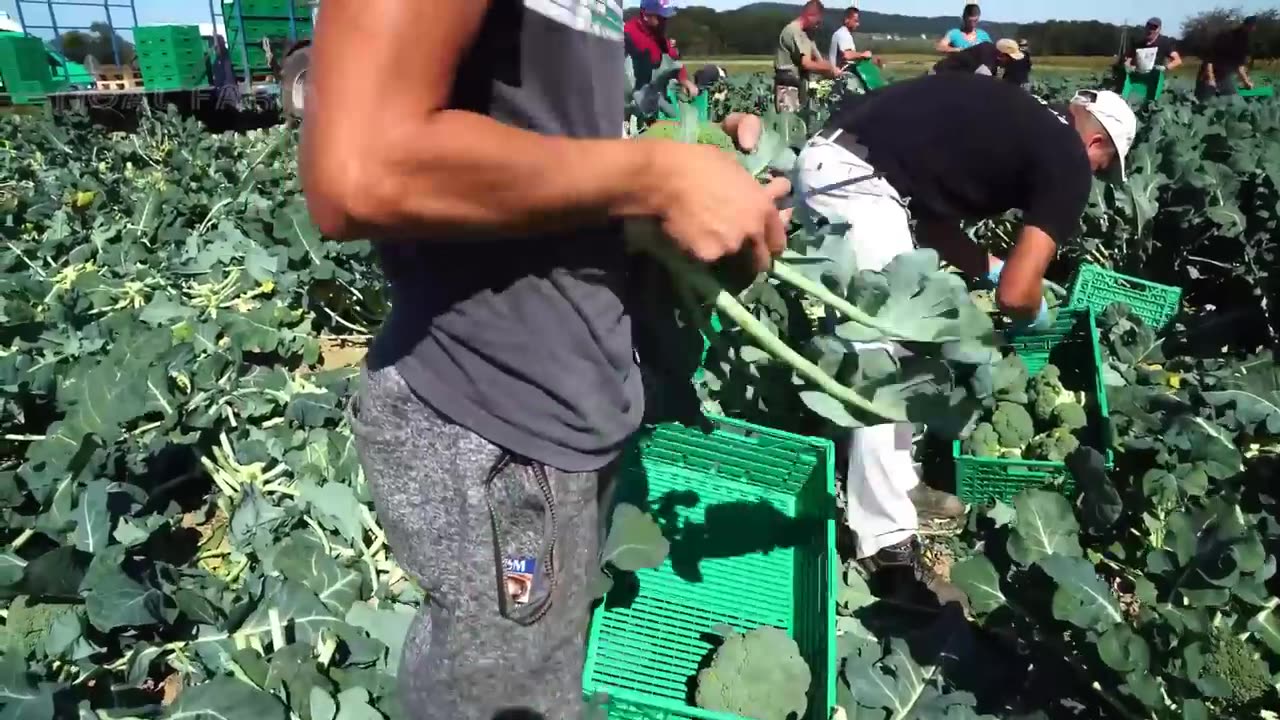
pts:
pixel 878 23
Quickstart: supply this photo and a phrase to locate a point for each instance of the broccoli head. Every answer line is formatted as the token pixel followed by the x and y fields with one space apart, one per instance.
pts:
pixel 1231 659
pixel 1009 379
pixel 1070 415
pixel 709 133
pixel 982 442
pixel 1048 394
pixel 1013 424
pixel 1053 446
pixel 759 675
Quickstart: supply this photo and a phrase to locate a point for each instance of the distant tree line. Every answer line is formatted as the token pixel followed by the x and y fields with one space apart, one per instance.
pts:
pixel 753 30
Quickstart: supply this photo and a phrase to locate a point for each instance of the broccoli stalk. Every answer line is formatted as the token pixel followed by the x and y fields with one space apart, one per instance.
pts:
pixel 702 283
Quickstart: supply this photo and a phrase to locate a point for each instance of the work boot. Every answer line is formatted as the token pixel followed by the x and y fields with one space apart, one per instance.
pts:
pixel 934 504
pixel 898 573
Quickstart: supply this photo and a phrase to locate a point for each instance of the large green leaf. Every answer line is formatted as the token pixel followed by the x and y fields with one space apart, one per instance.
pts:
pixel 1081 597
pixel 635 541
pixel 978 578
pixel 1045 526
pixel 225 698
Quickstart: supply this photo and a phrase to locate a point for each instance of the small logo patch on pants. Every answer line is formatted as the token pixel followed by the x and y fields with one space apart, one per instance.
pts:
pixel 519 576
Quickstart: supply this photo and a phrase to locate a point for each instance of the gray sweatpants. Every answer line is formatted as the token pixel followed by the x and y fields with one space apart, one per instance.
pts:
pixel 475 652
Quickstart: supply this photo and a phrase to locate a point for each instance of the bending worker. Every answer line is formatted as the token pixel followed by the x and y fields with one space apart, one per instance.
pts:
pixel 981 59
pixel 504 382
pixel 1000 149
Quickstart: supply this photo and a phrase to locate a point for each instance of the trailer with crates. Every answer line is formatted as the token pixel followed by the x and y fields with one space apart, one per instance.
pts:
pixel 252 48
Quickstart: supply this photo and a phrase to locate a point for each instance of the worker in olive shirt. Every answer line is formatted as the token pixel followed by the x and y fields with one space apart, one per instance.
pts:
pixel 1227 60
pixel 797 59
pixel 981 59
pixel 488 167
pixel 1000 148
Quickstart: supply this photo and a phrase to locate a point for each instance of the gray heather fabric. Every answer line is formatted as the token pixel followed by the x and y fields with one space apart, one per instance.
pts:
pixel 462 660
pixel 525 340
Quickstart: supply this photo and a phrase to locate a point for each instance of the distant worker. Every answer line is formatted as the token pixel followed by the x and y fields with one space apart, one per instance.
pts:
pixel 797 58
pixel 967 35
pixel 1018 71
pixel 646 42
pixel 981 59
pixel 1227 61
pixel 884 159
pixel 1153 52
pixel 843 51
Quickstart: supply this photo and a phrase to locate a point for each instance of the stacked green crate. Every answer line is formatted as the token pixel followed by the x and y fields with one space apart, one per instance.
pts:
pixel 264 19
pixel 171 57
pixel 24 68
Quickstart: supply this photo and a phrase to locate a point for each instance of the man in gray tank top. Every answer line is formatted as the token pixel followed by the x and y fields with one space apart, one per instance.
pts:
pixel 481 151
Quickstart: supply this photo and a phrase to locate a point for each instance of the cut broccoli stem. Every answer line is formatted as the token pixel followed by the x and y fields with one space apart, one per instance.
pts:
pixel 703 283
pixel 789 275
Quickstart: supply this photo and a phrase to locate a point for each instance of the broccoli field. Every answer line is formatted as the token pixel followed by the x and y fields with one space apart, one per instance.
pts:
pixel 185 530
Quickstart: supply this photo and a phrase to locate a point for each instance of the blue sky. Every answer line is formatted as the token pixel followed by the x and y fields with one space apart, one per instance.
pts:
pixel 1172 11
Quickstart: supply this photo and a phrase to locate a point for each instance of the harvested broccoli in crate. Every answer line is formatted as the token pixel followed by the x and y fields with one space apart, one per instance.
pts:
pixel 759 674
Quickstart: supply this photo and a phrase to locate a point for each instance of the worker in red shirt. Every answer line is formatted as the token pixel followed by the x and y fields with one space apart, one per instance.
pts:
pixel 646 42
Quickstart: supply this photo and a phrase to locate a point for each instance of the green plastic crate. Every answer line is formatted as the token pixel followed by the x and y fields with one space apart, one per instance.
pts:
pixel 869 73
pixel 1096 287
pixel 641 657
pixel 166 36
pixel 1072 345
pixel 23 59
pixel 266 8
pixel 29 92
pixel 1143 86
pixel 700 103
pixel 189 80
pixel 1264 91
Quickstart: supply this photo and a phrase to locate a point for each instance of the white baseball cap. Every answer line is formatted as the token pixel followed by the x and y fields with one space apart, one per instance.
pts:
pixel 1116 117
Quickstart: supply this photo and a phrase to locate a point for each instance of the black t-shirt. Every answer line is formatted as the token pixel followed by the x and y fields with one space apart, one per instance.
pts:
pixel 1018 72
pixel 963 147
pixel 982 55
pixel 1230 49
pixel 1156 51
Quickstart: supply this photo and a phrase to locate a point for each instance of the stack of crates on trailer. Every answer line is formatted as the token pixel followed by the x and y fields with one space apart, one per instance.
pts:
pixel 24 68
pixel 264 19
pixel 171 57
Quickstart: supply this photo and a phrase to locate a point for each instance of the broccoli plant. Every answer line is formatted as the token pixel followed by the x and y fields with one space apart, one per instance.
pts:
pixel 759 674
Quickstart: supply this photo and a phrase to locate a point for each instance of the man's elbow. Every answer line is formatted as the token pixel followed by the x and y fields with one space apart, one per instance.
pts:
pixel 343 206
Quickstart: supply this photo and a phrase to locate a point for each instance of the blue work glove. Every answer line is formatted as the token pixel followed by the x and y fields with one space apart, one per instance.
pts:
pixel 1043 319
pixel 994 275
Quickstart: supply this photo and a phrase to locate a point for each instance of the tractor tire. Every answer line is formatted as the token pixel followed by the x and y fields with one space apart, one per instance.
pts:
pixel 293 82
